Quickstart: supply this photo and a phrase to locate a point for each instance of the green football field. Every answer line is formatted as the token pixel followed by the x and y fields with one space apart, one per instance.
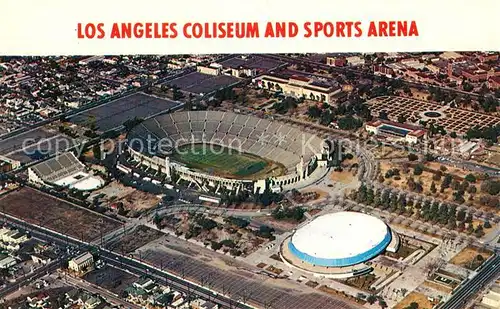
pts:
pixel 219 160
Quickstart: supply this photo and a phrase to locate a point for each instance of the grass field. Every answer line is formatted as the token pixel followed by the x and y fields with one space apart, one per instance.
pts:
pixel 222 161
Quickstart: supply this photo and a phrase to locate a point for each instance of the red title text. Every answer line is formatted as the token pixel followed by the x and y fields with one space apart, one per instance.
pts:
pixel 246 30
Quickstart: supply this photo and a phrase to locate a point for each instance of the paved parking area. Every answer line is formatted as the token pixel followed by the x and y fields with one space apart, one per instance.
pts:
pixel 199 83
pixel 253 62
pixel 240 284
pixel 115 113
pixel 111 279
pixel 35 144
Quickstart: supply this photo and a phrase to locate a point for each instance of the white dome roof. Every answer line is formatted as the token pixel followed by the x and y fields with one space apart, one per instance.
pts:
pixel 342 236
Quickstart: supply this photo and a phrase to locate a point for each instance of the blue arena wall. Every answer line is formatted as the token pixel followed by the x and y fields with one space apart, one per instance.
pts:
pixel 343 261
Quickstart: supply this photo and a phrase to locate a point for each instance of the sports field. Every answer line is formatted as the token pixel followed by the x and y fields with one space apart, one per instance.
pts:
pixel 222 161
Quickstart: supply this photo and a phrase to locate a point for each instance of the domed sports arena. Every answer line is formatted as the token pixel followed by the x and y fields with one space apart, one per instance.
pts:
pixel 338 244
pixel 216 150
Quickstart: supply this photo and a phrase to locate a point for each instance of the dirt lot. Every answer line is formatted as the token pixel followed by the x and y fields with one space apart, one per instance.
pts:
pixel 279 225
pixel 492 156
pixel 320 193
pixel 131 198
pixel 418 94
pixel 344 177
pixel 139 200
pixel 475 223
pixel 493 159
pixel 385 152
pixel 466 257
pixel 420 299
pixel 58 215
pixel 132 241
pixel 255 97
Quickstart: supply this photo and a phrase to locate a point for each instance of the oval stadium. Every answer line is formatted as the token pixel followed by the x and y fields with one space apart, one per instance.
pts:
pixel 338 244
pixel 216 149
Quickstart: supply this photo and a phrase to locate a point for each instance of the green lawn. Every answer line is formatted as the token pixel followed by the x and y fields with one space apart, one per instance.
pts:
pixel 219 160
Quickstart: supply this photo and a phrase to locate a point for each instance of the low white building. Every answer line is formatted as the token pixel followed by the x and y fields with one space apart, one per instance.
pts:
pixel 243 72
pixel 492 299
pixel 12 236
pixel 7 262
pixel 203 304
pixel 81 263
pixel 213 69
pixel 396 131
pixel 355 61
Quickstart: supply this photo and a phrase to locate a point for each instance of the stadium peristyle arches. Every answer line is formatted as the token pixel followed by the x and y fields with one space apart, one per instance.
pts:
pixel 153 141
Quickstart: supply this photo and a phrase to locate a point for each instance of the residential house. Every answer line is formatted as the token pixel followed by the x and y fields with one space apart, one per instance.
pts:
pixel 39 301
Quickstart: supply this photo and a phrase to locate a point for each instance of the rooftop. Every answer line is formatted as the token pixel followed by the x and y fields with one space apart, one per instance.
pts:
pixel 83 258
pixel 340 235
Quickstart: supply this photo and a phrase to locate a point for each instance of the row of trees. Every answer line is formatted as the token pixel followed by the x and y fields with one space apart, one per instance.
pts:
pixel 347 123
pixel 489 104
pixel 490 134
pixel 427 210
pixel 68 131
pixel 349 116
pixel 285 105
pixel 289 213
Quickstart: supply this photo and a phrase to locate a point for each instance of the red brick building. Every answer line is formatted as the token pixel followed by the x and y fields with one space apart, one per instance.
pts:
pixel 383 70
pixel 494 82
pixel 488 57
pixel 475 75
pixel 336 61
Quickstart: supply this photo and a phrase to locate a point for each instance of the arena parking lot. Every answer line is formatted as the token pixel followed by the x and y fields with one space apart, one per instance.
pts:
pixel 239 283
pixel 253 62
pixel 115 113
pixel 199 83
pixel 33 145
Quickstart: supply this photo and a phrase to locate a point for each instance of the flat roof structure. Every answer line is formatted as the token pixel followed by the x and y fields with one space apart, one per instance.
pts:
pixel 82 258
pixel 340 239
pixel 88 184
pixel 394 130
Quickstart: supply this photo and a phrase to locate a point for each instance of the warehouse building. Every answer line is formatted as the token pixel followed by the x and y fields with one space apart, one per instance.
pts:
pixel 299 86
